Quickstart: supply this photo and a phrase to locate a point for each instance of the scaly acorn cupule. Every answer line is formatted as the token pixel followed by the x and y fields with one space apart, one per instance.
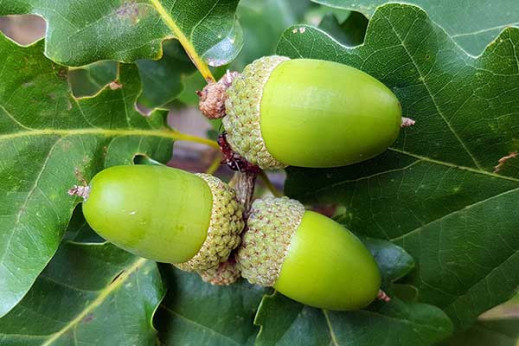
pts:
pixel 226 273
pixel 306 256
pixel 165 214
pixel 308 113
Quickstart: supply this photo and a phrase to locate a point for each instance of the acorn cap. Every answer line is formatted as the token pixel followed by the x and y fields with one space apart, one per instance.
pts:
pixel 225 227
pixel 226 273
pixel 242 105
pixel 271 225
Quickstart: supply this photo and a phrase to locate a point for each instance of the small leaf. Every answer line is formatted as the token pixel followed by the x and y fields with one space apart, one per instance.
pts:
pixel 472 27
pixel 284 322
pixel 393 262
pixel 162 79
pixel 88 294
pixel 195 312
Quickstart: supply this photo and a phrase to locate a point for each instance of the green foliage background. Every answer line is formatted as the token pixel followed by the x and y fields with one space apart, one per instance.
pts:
pixel 438 217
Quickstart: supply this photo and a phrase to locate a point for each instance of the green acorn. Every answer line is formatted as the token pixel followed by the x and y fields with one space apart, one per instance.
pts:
pixel 306 256
pixel 165 214
pixel 304 112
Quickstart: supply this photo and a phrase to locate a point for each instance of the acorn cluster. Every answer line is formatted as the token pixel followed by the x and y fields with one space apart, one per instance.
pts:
pixel 194 221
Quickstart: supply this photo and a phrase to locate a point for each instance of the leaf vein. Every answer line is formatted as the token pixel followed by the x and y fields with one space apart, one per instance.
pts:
pixel 433 99
pixel 104 294
pixel 212 331
pixel 29 195
pixel 464 209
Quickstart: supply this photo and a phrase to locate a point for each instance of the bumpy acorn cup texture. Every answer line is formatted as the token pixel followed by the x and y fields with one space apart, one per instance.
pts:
pixel 226 273
pixel 224 231
pixel 309 113
pixel 307 257
pixel 242 122
pixel 271 225
pixel 165 214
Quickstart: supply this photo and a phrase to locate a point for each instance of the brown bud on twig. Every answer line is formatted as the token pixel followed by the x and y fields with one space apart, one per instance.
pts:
pixel 213 96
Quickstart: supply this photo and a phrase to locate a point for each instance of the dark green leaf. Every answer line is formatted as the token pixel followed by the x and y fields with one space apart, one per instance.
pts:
pixel 194 312
pixel 89 80
pixel 472 25
pixel 434 192
pixel 502 332
pixel 393 262
pixel 88 294
pixel 499 326
pixel 285 322
pixel 79 231
pixel 162 79
pixel 50 141
pixel 79 32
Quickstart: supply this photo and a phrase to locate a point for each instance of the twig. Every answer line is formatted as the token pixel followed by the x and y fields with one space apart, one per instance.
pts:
pixel 244 187
pixel 197 60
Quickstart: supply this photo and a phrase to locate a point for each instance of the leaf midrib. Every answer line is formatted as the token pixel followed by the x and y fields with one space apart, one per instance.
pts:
pixel 91 131
pixel 406 321
pixel 333 337
pixel 416 230
pixel 23 207
pixel 183 39
pixel 420 159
